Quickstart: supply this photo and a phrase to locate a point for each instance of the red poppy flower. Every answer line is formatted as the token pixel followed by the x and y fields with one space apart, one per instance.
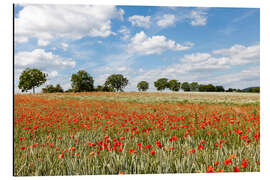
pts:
pixel 228 161
pixel 158 144
pixel 22 148
pixel 236 169
pixel 174 138
pixel 244 163
pixel 200 147
pixel 210 169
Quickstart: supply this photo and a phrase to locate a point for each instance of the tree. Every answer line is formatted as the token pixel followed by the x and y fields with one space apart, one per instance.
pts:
pixel 116 82
pixel 185 86
pixel 220 89
pixel 143 86
pixel 30 79
pixel 161 84
pixel 202 88
pixel 82 82
pixel 174 85
pixel 52 89
pixel 210 88
pixel 194 86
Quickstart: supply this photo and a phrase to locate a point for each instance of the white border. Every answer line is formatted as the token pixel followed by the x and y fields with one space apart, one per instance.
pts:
pixel 6 82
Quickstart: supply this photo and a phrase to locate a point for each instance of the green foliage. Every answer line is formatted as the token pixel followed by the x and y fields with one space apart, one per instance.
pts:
pixel 161 84
pixel 210 88
pixel 220 89
pixel 185 86
pixel 116 82
pixel 101 88
pixel 174 85
pixel 52 89
pixel 30 79
pixel 143 86
pixel 254 90
pixel 194 86
pixel 69 90
pixel 82 82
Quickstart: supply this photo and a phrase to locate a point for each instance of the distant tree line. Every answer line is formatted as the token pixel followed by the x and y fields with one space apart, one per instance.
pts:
pixel 84 82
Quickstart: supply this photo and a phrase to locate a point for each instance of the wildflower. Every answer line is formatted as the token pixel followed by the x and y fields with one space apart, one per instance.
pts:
pixel 158 144
pixel 228 161
pixel 72 149
pixel 148 146
pixel 191 151
pixel 174 138
pixel 121 172
pixel 203 142
pixel 152 152
pixel 122 138
pixel 244 163
pixel 236 169
pixel 22 148
pixel 216 163
pixel 232 156
pixel 200 147
pixel 22 138
pixel 210 169
pixel 61 156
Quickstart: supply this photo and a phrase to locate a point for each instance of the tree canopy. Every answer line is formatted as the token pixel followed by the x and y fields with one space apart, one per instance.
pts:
pixel 174 85
pixel 30 79
pixel 161 84
pixel 185 86
pixel 143 86
pixel 82 82
pixel 52 89
pixel 116 82
pixel 194 86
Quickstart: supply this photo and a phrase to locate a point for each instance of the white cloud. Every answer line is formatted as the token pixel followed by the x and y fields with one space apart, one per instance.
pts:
pixel 243 79
pixel 166 20
pixel 125 31
pixel 198 17
pixel 38 58
pixel 141 21
pixel 53 74
pixel 240 55
pixel 144 45
pixel 64 46
pixel 221 59
pixel 47 22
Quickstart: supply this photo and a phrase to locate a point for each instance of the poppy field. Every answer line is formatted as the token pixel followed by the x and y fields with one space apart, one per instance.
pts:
pixel 126 133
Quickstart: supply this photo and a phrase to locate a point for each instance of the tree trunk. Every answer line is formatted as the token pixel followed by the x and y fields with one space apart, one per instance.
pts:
pixel 33 90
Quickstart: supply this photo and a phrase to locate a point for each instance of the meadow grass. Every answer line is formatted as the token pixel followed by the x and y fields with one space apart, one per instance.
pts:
pixel 107 133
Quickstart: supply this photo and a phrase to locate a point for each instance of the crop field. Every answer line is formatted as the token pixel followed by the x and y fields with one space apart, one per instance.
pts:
pixel 136 133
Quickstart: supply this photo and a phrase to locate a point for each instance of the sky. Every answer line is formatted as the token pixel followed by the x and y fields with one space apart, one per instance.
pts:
pixel 220 46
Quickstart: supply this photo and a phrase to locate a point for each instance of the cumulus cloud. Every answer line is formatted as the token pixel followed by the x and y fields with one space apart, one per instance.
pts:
pixel 222 59
pixel 64 46
pixel 125 32
pixel 144 45
pixel 198 17
pixel 166 20
pixel 47 22
pixel 245 78
pixel 141 21
pixel 38 58
pixel 239 54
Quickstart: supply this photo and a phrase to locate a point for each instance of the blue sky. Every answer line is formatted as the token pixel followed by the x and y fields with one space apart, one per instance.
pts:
pixel 206 45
